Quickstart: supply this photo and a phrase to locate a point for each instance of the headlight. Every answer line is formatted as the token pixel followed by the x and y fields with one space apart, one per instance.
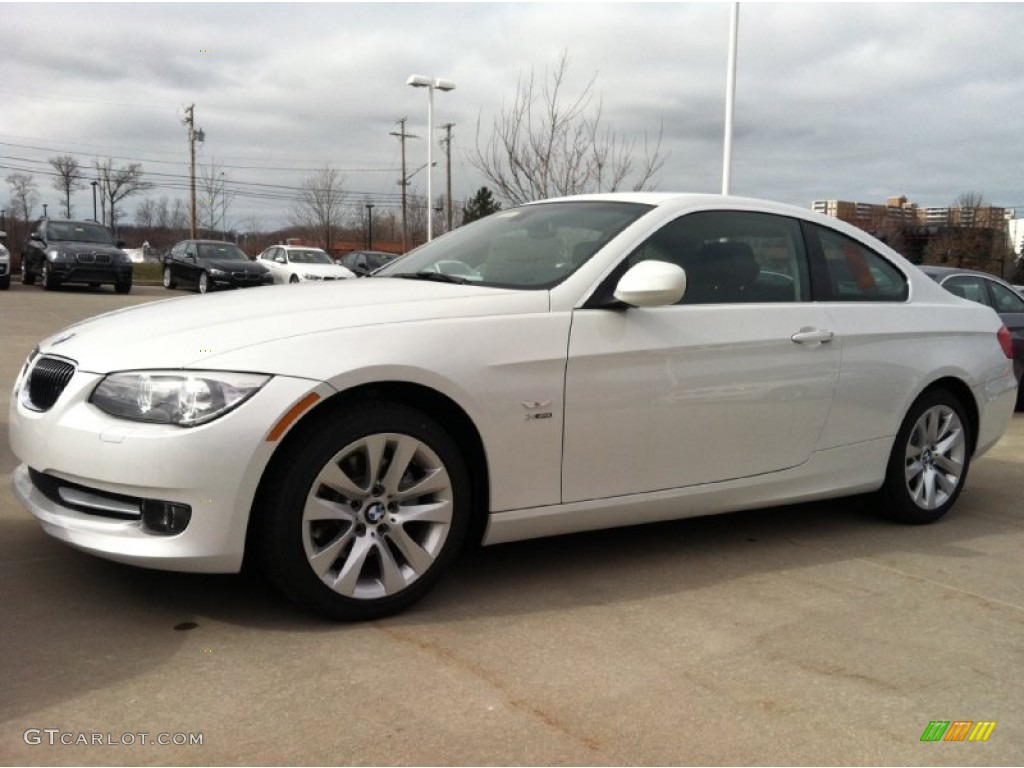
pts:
pixel 122 258
pixel 53 254
pixel 173 397
pixel 218 272
pixel 311 277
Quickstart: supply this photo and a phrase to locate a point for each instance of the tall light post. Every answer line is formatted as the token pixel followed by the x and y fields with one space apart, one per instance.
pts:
pixel 730 98
pixel 430 83
pixel 369 226
pixel 94 183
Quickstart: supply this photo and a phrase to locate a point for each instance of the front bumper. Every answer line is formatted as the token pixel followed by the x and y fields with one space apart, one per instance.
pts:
pixel 72 272
pixel 215 469
pixel 246 280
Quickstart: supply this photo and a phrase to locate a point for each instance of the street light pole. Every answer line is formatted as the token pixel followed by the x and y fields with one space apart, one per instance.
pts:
pixel 730 97
pixel 430 83
pixel 94 183
pixel 369 226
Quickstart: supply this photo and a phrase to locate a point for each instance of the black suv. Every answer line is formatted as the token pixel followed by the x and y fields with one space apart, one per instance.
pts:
pixel 60 251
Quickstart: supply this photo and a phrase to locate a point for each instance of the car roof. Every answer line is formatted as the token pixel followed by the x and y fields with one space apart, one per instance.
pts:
pixel 935 271
pixel 299 247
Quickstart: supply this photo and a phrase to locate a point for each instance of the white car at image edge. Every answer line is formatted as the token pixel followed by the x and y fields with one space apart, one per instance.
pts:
pixel 566 365
pixel 5 266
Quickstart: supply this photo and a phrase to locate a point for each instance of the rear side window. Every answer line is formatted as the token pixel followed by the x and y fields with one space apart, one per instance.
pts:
pixel 1004 300
pixel 968 287
pixel 853 272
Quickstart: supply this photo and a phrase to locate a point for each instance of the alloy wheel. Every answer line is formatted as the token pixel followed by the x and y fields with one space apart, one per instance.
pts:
pixel 935 457
pixel 377 516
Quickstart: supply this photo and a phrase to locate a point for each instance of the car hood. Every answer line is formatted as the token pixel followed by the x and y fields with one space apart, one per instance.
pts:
pixel 318 269
pixel 194 330
pixel 79 245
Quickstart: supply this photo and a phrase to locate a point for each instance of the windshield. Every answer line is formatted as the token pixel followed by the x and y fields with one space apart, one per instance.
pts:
pixel 534 246
pixel 80 233
pixel 221 252
pixel 309 257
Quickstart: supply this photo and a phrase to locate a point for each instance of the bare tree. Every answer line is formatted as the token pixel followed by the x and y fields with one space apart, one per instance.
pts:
pixel 215 198
pixel 320 204
pixel 68 178
pixel 118 183
pixel 549 144
pixel 24 195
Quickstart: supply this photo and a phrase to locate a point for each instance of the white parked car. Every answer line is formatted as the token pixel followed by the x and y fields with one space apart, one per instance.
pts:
pixel 5 265
pixel 567 365
pixel 300 264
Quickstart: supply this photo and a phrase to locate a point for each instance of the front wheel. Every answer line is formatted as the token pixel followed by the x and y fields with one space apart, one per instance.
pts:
pixel 367 514
pixel 5 282
pixel 49 281
pixel 27 278
pixel 204 283
pixel 929 461
pixel 293 279
pixel 169 279
pixel 123 286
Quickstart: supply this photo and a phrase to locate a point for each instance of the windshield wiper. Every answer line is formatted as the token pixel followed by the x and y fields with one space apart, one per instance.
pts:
pixel 439 277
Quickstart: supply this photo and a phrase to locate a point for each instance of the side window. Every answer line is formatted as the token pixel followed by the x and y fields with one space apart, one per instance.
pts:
pixel 968 287
pixel 733 256
pixel 1003 299
pixel 855 272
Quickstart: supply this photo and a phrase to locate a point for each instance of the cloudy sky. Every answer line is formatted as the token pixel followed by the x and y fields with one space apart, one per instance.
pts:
pixel 853 101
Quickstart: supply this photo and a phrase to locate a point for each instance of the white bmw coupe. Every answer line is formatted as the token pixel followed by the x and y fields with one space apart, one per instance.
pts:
pixel 566 365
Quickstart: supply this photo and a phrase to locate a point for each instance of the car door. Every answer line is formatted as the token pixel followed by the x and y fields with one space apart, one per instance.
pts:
pixel 735 380
pixel 269 259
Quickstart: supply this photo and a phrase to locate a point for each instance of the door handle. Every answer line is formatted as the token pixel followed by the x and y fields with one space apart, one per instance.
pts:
pixel 812 336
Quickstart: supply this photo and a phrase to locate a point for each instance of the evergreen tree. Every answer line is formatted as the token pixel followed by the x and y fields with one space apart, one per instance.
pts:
pixel 482 204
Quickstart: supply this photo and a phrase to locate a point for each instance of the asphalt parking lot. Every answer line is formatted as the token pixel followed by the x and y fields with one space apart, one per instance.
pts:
pixel 809 635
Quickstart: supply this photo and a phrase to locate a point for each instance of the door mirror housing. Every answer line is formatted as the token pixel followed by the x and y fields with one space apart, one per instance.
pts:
pixel 651 284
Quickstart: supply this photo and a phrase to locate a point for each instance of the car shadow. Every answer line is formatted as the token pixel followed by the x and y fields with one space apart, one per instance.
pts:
pixel 103 620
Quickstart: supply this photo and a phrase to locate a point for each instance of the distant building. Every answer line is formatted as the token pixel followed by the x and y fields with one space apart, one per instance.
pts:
pixel 899 211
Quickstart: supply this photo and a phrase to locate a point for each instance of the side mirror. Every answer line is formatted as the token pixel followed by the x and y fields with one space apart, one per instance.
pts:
pixel 120 243
pixel 279 259
pixel 651 284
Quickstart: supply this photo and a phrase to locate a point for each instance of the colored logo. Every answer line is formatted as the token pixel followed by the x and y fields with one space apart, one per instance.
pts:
pixel 958 730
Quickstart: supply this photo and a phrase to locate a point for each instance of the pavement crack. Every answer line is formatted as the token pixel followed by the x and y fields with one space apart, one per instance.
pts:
pixel 516 702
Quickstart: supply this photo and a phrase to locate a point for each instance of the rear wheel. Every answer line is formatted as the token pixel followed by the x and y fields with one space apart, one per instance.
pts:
pixel 929 461
pixel 27 278
pixel 5 282
pixel 367 514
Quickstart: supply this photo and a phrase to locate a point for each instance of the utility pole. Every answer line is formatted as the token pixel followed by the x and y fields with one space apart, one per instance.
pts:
pixel 193 136
pixel 369 226
pixel 404 183
pixel 447 140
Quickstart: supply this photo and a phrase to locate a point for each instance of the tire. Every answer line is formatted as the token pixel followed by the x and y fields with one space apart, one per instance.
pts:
pixel 350 542
pixel 169 282
pixel 94 285
pixel 929 461
pixel 48 281
pixel 27 278
pixel 123 286
pixel 293 279
pixel 204 283
pixel 5 282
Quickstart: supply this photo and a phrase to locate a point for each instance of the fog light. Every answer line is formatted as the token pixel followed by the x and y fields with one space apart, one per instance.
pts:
pixel 165 517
